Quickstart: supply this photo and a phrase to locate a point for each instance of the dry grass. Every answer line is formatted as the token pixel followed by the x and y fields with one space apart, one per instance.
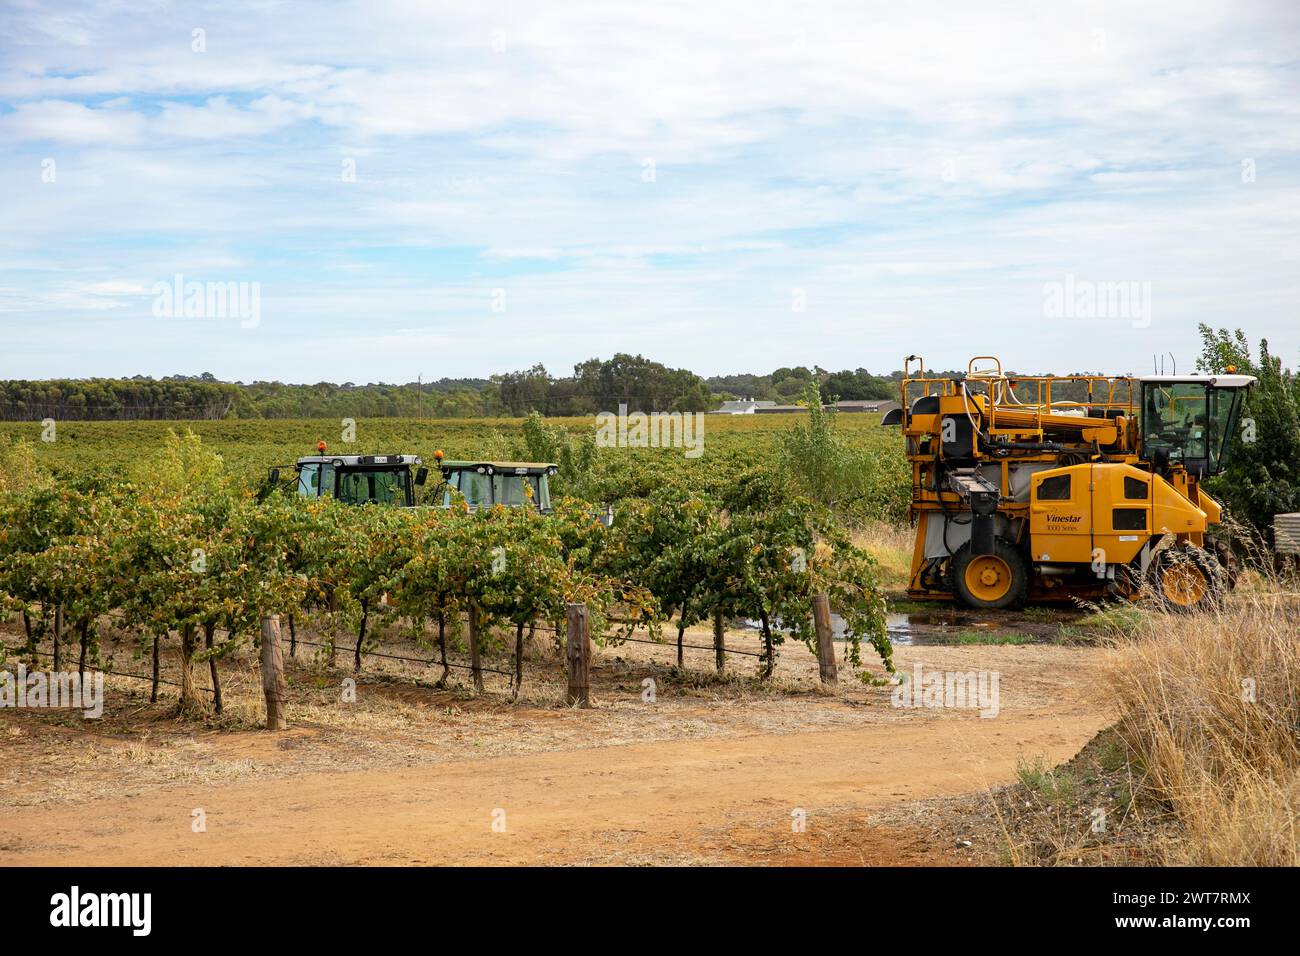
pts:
pixel 891 546
pixel 1209 704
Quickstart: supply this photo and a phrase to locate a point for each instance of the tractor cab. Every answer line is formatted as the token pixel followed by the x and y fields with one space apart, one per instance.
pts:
pixel 357 479
pixel 1190 420
pixel 510 483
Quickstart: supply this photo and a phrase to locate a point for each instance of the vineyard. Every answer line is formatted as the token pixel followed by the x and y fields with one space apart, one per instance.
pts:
pixel 431 647
pixel 158 534
pixel 426 648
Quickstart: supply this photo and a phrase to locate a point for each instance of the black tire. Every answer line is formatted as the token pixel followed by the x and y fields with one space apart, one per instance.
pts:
pixel 1223 552
pixel 1016 571
pixel 1187 563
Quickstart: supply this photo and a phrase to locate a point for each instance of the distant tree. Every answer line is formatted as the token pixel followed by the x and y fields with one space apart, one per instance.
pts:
pixel 859 385
pixel 638 383
pixel 524 392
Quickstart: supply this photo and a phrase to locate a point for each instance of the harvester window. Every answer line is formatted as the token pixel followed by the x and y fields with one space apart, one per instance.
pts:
pixel 1129 519
pixel 1189 422
pixel 1222 422
pixel 1135 489
pixel 1056 488
pixel 1175 420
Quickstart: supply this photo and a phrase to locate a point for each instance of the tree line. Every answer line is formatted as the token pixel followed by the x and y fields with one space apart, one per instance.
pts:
pixel 595 385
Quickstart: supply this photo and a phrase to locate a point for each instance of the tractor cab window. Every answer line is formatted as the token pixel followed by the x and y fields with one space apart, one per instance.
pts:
pixel 512 490
pixel 476 488
pixel 1190 422
pixel 309 479
pixel 385 486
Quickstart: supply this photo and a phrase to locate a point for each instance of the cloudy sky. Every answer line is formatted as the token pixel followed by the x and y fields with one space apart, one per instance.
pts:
pixel 453 188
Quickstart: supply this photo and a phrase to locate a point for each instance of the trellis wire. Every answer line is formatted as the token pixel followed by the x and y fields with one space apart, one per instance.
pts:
pixel 670 644
pixel 399 657
pixel 145 677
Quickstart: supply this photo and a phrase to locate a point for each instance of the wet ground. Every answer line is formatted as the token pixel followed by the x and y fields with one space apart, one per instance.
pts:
pixel 951 623
pixel 933 622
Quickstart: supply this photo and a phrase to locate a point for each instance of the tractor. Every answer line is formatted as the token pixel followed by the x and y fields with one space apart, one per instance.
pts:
pixel 1045 488
pixel 389 480
pixel 355 479
pixel 487 483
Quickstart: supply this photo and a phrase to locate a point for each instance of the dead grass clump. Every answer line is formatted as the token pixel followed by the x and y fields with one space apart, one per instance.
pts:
pixel 891 546
pixel 1210 705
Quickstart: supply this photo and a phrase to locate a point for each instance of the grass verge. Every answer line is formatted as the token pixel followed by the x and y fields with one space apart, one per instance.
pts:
pixel 1209 706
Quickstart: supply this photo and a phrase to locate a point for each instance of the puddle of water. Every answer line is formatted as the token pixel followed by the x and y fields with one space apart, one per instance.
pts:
pixel 937 626
pixel 897 626
pixel 899 629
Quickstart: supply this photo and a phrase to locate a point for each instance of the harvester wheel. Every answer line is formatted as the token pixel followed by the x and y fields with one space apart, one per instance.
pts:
pixel 1227 559
pixel 991 582
pixel 1186 579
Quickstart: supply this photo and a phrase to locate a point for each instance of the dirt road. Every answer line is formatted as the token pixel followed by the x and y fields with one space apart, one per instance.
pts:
pixel 724 797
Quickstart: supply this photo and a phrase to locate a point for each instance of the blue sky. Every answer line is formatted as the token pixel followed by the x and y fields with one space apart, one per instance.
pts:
pixel 723 186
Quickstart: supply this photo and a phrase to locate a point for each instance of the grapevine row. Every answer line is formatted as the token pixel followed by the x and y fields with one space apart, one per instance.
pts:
pixel 178 549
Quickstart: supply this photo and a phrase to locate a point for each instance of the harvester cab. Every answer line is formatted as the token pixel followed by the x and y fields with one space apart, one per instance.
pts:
pixel 513 484
pixel 1055 487
pixel 1190 420
pixel 356 479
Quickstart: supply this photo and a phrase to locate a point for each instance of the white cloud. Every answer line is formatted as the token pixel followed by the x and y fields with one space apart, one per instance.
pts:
pixel 918 171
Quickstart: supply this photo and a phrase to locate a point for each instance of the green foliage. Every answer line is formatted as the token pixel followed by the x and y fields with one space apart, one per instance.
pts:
pixel 753 549
pixel 575 454
pixel 858 484
pixel 1263 474
pixel 640 384
pixel 1054 786
pixel 104 398
pixel 20 468
pixel 159 532
pixel 111 450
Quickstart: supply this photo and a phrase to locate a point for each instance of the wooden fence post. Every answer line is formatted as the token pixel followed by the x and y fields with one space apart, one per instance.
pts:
pixel 58 634
pixel 153 692
pixel 475 658
pixel 579 655
pixel 209 631
pixel 273 673
pixel 719 642
pixel 821 605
